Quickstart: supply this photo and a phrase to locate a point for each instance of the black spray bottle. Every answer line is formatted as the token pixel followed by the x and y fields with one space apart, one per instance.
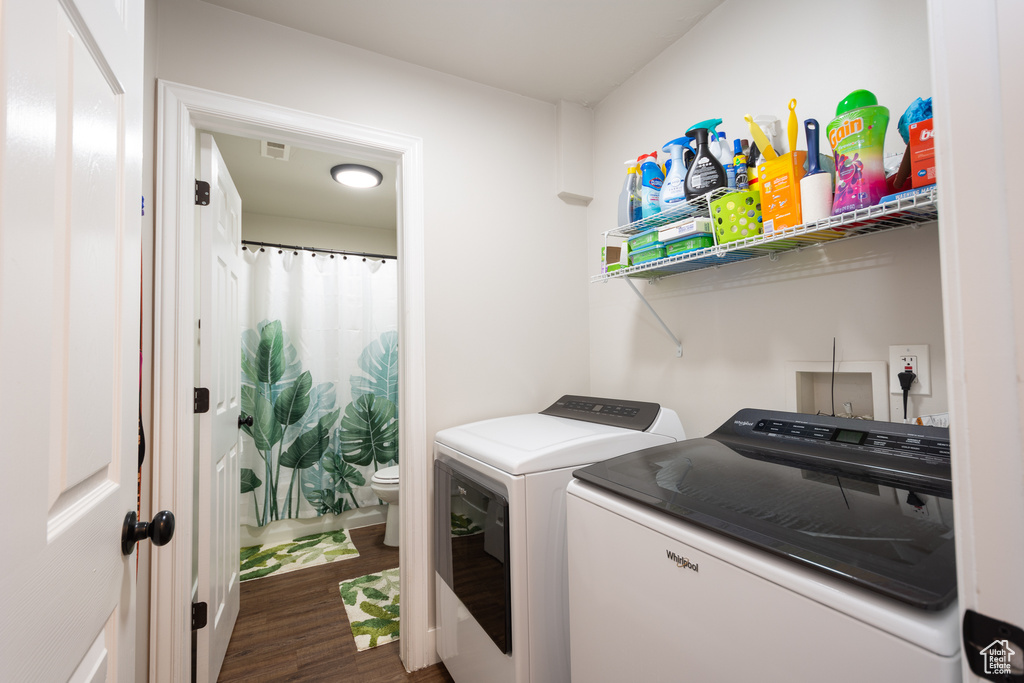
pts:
pixel 706 173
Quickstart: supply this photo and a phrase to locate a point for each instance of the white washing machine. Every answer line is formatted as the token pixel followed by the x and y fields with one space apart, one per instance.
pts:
pixel 782 547
pixel 500 544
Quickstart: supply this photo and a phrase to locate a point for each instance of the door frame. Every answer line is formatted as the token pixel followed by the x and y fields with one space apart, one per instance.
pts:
pixel 975 54
pixel 181 110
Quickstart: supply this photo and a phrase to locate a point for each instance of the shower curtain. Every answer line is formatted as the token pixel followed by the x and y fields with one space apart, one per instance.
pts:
pixel 320 380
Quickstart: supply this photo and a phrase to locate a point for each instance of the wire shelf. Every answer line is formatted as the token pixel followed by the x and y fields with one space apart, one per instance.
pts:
pixel 898 213
pixel 679 213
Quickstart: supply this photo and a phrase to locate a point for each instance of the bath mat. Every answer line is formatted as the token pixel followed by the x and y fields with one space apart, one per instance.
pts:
pixel 258 561
pixel 371 602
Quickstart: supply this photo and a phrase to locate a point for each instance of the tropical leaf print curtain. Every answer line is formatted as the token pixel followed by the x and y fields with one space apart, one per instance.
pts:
pixel 320 380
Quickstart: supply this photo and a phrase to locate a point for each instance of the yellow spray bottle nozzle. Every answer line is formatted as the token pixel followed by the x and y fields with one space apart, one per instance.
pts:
pixel 793 125
pixel 760 138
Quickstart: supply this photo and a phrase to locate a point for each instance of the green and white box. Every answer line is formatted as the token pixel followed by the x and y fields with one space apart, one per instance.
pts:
pixel 692 227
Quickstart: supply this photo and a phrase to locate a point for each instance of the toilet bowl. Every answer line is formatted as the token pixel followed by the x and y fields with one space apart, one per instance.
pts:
pixel 385 486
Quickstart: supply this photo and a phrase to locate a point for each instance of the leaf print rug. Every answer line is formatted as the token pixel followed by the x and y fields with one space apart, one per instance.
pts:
pixel 308 551
pixel 371 602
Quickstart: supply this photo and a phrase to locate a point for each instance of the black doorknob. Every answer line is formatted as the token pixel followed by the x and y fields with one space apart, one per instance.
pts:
pixel 247 421
pixel 160 530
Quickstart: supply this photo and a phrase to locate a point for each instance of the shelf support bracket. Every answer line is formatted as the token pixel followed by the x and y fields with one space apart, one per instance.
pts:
pixel 675 340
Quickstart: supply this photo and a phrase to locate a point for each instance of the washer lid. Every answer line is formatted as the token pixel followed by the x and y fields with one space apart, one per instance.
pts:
pixel 522 444
pixel 388 475
pixel 801 487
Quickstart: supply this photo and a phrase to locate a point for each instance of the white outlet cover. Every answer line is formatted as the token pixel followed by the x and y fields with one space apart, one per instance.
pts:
pixel 923 384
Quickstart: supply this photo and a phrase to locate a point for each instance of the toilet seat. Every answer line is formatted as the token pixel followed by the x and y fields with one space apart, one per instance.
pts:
pixel 388 475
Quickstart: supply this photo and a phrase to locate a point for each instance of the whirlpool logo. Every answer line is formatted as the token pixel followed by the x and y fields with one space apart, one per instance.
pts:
pixel 681 562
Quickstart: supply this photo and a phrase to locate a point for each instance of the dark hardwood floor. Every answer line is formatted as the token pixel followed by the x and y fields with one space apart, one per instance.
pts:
pixel 293 627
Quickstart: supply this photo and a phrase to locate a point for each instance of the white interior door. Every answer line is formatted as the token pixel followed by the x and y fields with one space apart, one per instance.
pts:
pixel 219 443
pixel 70 188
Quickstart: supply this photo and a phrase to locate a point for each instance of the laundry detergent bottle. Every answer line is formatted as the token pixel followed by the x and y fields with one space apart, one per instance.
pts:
pixel 651 180
pixel 673 190
pixel 706 173
pixel 857 135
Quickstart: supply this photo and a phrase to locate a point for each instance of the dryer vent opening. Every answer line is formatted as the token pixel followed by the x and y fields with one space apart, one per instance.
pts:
pixel 275 150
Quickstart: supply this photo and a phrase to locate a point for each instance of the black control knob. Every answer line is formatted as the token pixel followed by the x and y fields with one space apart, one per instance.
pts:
pixel 160 530
pixel 247 421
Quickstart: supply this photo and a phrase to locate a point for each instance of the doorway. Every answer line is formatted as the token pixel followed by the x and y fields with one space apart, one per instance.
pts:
pixel 181 110
pixel 318 260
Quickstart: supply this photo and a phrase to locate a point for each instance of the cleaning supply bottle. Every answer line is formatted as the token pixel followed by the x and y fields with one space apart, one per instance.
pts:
pixel 672 190
pixel 723 151
pixel 633 209
pixel 651 181
pixel 625 216
pixel 739 162
pixel 857 135
pixel 752 166
pixel 706 173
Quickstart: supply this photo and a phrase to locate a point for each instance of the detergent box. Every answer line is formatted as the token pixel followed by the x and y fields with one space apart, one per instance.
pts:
pixel 922 154
pixel 779 179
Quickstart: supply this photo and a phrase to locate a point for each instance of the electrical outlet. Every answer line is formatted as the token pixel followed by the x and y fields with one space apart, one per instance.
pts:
pixel 915 355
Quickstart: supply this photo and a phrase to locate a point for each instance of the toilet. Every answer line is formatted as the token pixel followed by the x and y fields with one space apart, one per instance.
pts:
pixel 385 486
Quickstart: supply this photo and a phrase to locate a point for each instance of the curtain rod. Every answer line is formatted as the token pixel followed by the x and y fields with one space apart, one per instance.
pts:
pixel 322 251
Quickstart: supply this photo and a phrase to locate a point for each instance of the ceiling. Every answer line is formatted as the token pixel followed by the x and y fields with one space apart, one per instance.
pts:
pixel 302 186
pixel 574 50
pixel 550 50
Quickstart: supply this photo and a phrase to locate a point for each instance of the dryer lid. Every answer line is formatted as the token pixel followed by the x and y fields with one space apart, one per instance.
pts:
pixel 523 444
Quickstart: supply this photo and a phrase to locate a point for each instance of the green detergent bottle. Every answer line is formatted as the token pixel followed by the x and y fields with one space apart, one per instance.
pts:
pixel 857 136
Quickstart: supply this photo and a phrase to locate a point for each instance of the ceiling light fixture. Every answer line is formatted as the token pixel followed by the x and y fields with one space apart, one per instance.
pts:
pixel 356 175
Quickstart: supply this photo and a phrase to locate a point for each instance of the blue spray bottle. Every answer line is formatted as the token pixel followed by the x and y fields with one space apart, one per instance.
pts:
pixel 672 190
pixel 650 184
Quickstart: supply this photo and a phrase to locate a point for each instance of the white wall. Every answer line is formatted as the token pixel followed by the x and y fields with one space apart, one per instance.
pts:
pixel 506 286
pixel 740 324
pixel 305 233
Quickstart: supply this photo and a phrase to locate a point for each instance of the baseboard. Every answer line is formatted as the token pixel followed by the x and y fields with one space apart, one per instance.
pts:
pixel 430 656
pixel 286 529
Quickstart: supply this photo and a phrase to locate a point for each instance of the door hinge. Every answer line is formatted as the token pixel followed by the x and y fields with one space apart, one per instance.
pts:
pixel 201 399
pixel 202 193
pixel 198 615
pixel 993 648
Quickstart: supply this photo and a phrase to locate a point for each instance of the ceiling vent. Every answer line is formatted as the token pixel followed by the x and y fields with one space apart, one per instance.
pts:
pixel 275 150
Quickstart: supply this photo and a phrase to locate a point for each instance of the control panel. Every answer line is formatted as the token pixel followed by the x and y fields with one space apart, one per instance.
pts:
pixel 870 439
pixel 637 415
pixel 905 456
